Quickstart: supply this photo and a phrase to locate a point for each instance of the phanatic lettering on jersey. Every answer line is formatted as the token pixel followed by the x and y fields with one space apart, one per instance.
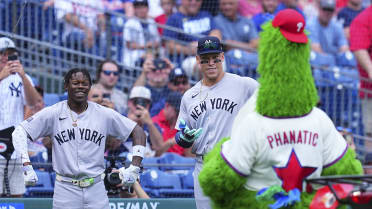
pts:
pixel 293 137
pixel 84 133
pixel 214 104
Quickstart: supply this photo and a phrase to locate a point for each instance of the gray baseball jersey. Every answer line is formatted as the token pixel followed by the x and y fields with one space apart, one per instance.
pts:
pixel 214 108
pixel 78 151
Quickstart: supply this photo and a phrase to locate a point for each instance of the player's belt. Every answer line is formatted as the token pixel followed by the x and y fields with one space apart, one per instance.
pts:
pixel 80 183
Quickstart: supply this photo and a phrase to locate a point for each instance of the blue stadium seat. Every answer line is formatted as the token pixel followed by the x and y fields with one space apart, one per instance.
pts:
pixel 179 162
pixel 346 59
pixel 43 187
pixel 53 177
pixel 51 99
pixel 241 62
pixel 187 180
pixel 322 60
pixel 164 185
pixel 38 158
pixel 150 162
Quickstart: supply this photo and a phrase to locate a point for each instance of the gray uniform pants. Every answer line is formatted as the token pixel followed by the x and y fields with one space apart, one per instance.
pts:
pixel 202 201
pixel 67 195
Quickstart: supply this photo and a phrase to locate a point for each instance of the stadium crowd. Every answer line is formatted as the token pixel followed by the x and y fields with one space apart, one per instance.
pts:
pixel 157 39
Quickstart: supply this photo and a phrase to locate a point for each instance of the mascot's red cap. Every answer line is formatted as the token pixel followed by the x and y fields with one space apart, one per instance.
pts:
pixel 291 24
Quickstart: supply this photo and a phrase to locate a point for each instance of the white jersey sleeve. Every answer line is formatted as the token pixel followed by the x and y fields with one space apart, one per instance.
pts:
pixel 335 145
pixel 120 126
pixel 240 151
pixel 41 124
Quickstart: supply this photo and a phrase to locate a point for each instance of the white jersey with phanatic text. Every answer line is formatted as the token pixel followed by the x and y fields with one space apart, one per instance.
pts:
pixel 78 151
pixel 214 108
pixel 282 151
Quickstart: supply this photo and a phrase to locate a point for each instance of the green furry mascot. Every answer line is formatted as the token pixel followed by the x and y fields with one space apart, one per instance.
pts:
pixel 279 138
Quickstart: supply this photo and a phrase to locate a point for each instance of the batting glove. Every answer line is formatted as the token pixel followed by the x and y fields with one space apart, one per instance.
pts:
pixel 129 176
pixel 187 136
pixel 29 175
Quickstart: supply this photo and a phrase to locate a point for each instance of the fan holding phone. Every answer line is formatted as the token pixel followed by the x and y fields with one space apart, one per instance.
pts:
pixel 17 94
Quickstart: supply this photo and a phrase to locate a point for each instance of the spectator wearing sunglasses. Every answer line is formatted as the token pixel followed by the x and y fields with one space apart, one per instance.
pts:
pixel 107 77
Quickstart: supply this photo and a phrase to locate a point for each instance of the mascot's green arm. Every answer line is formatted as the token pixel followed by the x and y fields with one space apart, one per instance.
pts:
pixel 225 187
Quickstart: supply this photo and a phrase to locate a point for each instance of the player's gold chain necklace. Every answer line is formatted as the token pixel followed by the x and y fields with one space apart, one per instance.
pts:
pixel 74 122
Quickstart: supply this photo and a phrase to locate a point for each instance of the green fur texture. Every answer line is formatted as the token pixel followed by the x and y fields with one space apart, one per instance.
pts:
pixel 286 83
pixel 225 187
pixel 347 165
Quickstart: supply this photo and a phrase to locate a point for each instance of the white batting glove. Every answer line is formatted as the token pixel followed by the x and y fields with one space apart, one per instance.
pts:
pixel 29 175
pixel 129 176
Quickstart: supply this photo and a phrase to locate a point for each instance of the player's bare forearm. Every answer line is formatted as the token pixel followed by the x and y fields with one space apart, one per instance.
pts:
pixel 139 138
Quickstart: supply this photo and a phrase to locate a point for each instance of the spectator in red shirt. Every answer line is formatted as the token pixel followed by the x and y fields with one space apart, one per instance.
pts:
pixel 166 120
pixel 167 6
pixel 361 45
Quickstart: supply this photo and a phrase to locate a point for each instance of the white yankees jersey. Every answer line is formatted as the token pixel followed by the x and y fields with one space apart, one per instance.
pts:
pixel 214 108
pixel 12 102
pixel 78 151
pixel 282 151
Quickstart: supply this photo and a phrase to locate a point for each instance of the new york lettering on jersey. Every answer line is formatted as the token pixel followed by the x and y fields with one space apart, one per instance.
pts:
pixel 213 104
pixel 85 134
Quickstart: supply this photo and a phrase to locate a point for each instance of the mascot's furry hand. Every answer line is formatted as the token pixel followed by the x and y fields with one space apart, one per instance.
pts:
pixel 187 134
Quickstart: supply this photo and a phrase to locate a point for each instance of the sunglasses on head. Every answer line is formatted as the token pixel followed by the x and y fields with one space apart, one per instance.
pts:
pixel 108 73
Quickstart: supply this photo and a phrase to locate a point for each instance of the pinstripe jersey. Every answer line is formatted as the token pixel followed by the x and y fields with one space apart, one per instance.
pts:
pixel 214 108
pixel 78 151
pixel 12 102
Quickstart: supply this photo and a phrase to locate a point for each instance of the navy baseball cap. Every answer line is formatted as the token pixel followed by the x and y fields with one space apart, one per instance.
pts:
pixel 140 3
pixel 174 98
pixel 209 45
pixel 176 73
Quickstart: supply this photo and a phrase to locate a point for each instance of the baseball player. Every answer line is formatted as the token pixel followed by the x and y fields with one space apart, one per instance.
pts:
pixel 79 129
pixel 16 93
pixel 209 107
